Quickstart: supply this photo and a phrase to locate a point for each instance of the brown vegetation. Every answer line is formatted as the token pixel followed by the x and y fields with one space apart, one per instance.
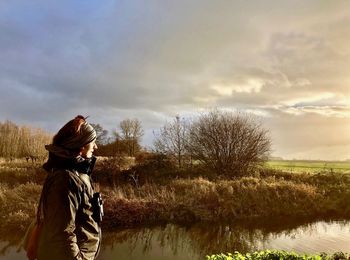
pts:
pixel 166 196
pixel 187 200
pixel 22 141
pixel 125 142
pixel 266 193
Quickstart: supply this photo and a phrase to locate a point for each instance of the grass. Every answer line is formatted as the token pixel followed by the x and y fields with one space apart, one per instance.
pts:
pixel 188 200
pixel 18 206
pixel 300 166
pixel 20 187
pixel 267 193
pixel 277 255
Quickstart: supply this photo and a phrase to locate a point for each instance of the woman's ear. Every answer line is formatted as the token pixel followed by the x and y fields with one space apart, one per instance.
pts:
pixel 81 150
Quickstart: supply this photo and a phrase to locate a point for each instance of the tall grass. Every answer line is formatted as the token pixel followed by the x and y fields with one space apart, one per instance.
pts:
pixel 187 200
pixel 266 193
pixel 20 187
pixel 18 206
pixel 199 199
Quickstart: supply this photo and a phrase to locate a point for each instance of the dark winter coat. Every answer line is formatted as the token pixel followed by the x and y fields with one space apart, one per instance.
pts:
pixel 69 230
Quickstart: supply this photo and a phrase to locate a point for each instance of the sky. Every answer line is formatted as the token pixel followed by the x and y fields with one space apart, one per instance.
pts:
pixel 287 62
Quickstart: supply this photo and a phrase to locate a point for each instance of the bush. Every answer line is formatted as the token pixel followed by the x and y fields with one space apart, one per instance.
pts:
pixel 276 255
pixel 228 143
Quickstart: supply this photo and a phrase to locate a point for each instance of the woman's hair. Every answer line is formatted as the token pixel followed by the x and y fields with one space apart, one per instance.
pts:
pixel 71 129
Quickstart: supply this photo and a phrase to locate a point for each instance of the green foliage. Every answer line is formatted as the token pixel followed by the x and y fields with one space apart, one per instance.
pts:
pixel 276 255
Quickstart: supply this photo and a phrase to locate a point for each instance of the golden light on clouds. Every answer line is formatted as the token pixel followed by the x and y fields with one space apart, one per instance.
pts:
pixel 251 86
pixel 312 99
pixel 286 61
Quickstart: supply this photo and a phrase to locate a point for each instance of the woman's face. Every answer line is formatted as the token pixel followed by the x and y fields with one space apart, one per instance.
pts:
pixel 87 150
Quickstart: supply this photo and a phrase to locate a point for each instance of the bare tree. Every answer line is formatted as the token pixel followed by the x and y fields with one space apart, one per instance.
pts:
pixel 131 133
pixel 229 143
pixel 172 139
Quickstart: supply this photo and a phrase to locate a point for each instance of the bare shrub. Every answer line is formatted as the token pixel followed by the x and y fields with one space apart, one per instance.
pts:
pixel 229 143
pixel 108 169
pixel 150 167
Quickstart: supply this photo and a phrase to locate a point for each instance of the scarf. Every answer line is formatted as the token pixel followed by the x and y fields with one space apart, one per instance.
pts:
pixel 86 135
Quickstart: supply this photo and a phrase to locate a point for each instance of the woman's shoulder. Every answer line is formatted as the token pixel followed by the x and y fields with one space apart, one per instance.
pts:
pixel 66 177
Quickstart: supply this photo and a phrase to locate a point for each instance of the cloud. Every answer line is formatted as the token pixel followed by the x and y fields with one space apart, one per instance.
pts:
pixel 252 86
pixel 118 59
pixel 327 111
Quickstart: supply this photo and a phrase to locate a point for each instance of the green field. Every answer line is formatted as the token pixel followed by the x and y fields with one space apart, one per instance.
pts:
pixel 309 166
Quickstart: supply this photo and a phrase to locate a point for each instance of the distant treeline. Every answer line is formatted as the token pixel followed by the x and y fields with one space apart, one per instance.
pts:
pixel 125 140
pixel 224 142
pixel 22 141
pixel 26 141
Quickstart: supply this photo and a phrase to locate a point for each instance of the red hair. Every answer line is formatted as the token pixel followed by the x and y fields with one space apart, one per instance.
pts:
pixel 72 128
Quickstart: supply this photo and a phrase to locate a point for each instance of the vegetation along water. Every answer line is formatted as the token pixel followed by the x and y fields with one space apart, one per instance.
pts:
pixel 185 199
pixel 181 185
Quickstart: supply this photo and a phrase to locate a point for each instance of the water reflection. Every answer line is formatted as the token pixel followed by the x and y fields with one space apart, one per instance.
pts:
pixel 194 242
pixel 165 242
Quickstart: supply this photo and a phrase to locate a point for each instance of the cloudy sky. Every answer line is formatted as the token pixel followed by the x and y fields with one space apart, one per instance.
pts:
pixel 285 61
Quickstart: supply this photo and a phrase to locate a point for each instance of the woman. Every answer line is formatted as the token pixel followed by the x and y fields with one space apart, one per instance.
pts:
pixel 69 210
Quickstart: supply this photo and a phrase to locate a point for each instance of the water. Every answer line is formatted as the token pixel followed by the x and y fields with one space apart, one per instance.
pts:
pixel 171 242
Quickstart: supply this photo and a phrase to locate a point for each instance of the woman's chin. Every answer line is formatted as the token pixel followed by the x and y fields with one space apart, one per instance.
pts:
pixel 86 156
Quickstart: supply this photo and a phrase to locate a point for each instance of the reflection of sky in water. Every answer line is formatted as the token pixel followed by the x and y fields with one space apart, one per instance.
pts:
pixel 180 243
pixel 197 241
pixel 319 237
